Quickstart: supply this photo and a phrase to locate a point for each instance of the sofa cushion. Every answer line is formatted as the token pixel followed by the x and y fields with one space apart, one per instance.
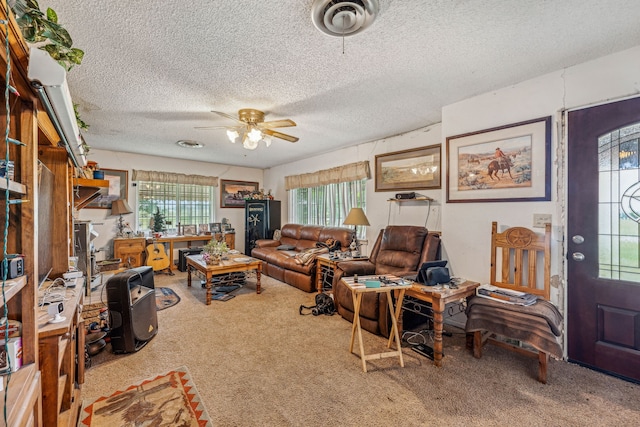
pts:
pixel 286 247
pixel 282 264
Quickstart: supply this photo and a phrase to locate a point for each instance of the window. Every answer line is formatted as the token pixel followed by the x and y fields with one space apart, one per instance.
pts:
pixel 327 204
pixel 180 203
pixel 619 210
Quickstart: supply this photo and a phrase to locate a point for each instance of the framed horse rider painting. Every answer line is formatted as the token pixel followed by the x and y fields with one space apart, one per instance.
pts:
pixel 510 163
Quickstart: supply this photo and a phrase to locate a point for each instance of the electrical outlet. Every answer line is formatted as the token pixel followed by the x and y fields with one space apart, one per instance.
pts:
pixel 539 220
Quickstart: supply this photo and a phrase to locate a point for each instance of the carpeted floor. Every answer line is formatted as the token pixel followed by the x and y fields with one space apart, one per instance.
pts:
pixel 257 362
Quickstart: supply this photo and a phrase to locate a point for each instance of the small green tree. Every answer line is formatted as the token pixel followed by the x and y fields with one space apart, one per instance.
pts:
pixel 158 221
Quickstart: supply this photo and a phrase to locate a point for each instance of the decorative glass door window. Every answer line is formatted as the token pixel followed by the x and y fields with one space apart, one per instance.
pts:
pixel 619 204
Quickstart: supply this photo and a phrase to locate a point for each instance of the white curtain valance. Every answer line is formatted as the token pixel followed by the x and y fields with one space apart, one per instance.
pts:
pixel 345 173
pixel 174 178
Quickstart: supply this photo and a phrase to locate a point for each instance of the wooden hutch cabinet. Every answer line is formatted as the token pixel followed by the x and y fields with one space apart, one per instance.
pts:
pixel 23 396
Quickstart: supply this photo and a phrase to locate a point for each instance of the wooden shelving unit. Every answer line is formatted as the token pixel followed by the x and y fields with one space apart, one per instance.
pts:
pixel 14 187
pixel 85 190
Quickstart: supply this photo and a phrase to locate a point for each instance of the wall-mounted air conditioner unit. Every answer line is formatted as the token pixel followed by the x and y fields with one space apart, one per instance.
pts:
pixel 49 79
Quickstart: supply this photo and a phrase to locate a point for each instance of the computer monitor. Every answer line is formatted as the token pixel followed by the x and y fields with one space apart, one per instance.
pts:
pixel 422 273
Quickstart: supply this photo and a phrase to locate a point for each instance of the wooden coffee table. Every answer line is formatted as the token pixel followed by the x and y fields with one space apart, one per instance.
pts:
pixel 234 264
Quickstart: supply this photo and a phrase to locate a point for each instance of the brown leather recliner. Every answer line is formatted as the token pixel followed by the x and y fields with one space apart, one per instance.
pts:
pixel 399 250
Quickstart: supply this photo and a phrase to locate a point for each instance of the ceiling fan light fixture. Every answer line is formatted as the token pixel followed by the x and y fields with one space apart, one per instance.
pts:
pixel 254 134
pixel 267 140
pixel 233 135
pixel 248 143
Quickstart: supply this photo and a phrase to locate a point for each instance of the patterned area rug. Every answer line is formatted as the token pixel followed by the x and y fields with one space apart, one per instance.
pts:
pixel 166 400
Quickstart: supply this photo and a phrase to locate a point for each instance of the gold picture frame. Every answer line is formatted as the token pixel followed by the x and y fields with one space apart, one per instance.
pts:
pixel 414 169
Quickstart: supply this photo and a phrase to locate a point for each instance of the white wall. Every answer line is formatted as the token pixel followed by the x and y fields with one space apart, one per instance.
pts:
pixel 466 226
pixel 379 211
pixel 105 224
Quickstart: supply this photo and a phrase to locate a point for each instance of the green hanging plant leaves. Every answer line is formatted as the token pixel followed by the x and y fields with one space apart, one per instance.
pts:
pixel 81 124
pixel 37 27
pixel 52 15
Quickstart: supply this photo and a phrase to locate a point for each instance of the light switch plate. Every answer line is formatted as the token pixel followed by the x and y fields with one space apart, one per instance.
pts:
pixel 539 220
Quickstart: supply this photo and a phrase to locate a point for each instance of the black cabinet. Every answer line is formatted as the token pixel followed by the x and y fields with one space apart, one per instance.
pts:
pixel 262 218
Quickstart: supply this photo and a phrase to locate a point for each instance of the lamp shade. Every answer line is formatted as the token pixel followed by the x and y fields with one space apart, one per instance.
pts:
pixel 120 207
pixel 356 217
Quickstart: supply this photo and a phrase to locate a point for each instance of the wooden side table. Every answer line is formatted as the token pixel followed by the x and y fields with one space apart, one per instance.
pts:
pixel 130 251
pixel 326 267
pixel 439 298
pixel 357 291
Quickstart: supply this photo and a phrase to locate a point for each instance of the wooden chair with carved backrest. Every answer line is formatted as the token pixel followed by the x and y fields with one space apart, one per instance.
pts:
pixel 520 261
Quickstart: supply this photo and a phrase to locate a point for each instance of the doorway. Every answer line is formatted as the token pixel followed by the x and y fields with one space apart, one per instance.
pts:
pixel 603 284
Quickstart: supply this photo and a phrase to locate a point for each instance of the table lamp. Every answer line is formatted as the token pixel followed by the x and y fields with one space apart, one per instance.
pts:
pixel 120 207
pixel 356 217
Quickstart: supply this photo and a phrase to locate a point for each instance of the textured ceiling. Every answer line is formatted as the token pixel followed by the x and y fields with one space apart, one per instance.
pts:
pixel 153 70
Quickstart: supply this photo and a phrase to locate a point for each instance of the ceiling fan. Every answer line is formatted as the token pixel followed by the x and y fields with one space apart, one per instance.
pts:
pixel 252 127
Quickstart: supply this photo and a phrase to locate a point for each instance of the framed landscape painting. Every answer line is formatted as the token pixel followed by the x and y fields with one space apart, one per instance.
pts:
pixel 415 169
pixel 232 193
pixel 510 163
pixel 117 189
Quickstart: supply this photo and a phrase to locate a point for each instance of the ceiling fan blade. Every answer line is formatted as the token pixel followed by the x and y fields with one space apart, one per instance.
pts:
pixel 217 127
pixel 280 135
pixel 279 123
pixel 228 116
pixel 211 127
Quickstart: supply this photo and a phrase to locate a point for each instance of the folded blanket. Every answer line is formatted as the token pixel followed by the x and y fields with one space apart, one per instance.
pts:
pixel 539 324
pixel 308 255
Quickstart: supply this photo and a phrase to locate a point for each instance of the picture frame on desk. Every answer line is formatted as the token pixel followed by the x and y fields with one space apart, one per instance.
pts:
pixel 216 227
pixel 118 185
pixel 203 229
pixel 189 230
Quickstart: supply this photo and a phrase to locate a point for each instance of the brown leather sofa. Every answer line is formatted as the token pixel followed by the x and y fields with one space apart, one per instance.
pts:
pixel 281 264
pixel 399 250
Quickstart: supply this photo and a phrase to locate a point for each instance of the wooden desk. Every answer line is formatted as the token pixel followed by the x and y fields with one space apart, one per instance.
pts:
pixel 61 346
pixel 439 299
pixel 359 289
pixel 225 266
pixel 229 238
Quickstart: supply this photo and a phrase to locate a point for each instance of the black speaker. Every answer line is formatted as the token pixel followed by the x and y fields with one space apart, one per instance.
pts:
pixel 131 300
pixel 262 218
pixel 182 257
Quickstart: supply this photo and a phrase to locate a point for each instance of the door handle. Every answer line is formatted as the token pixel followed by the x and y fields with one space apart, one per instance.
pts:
pixel 577 239
pixel 577 256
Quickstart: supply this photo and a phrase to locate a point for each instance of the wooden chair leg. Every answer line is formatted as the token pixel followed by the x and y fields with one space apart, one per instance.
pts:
pixel 543 360
pixel 477 344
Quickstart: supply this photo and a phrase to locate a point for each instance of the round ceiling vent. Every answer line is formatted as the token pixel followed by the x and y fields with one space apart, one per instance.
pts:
pixel 342 18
